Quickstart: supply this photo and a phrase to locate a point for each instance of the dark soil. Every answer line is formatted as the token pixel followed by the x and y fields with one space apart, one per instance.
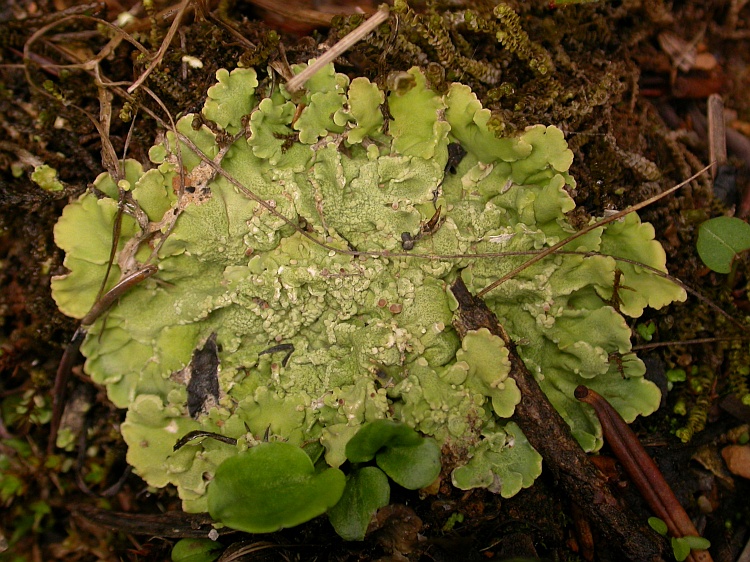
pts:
pixel 602 71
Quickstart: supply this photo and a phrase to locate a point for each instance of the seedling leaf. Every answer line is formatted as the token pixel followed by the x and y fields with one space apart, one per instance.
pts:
pixel 720 240
pixel 271 486
pixel 696 543
pixel 366 491
pixel 378 434
pixel 412 467
pixel 680 548
pixel 658 525
pixel 196 550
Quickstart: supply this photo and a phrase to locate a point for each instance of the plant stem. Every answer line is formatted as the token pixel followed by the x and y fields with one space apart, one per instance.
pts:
pixel 642 469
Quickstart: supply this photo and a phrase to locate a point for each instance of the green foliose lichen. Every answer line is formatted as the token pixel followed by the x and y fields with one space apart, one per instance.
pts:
pixel 306 252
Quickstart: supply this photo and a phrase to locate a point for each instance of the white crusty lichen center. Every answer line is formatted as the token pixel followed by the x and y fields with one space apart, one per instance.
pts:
pixel 347 264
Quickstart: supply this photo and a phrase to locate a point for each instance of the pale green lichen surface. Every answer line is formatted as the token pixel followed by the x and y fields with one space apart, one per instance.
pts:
pixel 371 330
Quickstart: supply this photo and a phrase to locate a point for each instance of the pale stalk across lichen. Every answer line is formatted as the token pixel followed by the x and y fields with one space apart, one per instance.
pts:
pixel 339 48
pixel 589 228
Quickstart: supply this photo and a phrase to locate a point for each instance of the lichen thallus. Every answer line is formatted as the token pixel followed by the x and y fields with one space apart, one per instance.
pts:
pixel 211 168
pixel 456 153
pixel 137 275
pixel 537 254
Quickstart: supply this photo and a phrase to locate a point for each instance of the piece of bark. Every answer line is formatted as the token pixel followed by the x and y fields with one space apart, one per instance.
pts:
pixel 550 435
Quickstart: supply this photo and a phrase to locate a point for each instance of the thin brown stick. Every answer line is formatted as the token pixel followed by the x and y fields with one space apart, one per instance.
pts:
pixel 696 341
pixel 109 298
pixel 163 48
pixel 642 469
pixel 717 136
pixel 69 355
pixel 203 11
pixel 342 46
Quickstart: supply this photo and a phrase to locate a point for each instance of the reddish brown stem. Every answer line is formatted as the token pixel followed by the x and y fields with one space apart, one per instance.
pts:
pixel 572 470
pixel 71 351
pixel 642 469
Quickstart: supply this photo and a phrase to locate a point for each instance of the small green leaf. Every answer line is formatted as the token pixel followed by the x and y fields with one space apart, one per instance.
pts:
pixel 378 434
pixel 270 487
pixel 366 491
pixel 720 240
pixel 676 375
pixel 646 330
pixel 412 467
pixel 681 549
pixel 196 550
pixel 658 525
pixel 452 520
pixel 697 543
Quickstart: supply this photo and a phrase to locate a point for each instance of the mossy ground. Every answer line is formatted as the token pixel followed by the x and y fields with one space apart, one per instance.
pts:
pixel 606 83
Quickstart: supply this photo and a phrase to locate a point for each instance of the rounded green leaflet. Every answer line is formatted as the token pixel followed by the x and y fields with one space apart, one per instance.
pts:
pixel 412 467
pixel 270 487
pixel 689 543
pixel 680 549
pixel 378 434
pixel 697 543
pixel 720 240
pixel 367 490
pixel 196 550
pixel 658 525
pixel 411 460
